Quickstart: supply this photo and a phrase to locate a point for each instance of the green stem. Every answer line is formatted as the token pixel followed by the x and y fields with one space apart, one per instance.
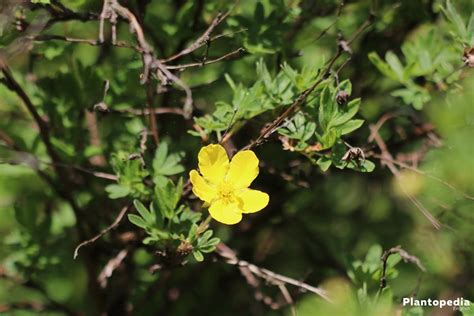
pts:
pixel 203 226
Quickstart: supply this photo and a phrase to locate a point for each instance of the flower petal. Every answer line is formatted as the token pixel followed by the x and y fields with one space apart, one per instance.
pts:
pixel 213 163
pixel 201 188
pixel 226 213
pixel 253 200
pixel 243 169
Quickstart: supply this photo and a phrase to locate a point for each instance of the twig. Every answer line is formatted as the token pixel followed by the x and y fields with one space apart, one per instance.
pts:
pixel 343 46
pixel 234 54
pixel 33 162
pixel 188 104
pixel 103 232
pixel 338 14
pixel 150 62
pixel 381 121
pixel 387 160
pixel 62 13
pixel 176 111
pixel 230 257
pixel 13 85
pixel 110 267
pixel 150 100
pixel 205 37
pixel 92 42
pixel 288 298
pixel 424 173
pixel 406 258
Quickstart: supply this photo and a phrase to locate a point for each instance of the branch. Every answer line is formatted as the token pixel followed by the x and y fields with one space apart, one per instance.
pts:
pixel 110 267
pixel 343 46
pixel 92 42
pixel 205 37
pixel 230 257
pixel 33 162
pixel 406 258
pixel 424 173
pixel 150 62
pixel 387 160
pixel 103 232
pixel 176 111
pixel 10 82
pixel 62 13
pixel 234 54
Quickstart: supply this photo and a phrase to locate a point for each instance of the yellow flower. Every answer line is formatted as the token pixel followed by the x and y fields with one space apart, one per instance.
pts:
pixel 224 185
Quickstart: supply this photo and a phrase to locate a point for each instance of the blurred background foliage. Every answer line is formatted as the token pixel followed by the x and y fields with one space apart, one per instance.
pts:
pixel 336 204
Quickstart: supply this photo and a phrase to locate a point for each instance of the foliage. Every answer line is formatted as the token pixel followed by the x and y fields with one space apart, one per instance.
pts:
pixel 360 114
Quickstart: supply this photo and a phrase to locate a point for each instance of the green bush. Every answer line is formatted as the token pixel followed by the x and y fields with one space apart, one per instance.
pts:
pixel 135 134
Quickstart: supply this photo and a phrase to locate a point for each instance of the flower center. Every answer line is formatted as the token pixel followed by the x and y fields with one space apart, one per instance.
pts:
pixel 225 191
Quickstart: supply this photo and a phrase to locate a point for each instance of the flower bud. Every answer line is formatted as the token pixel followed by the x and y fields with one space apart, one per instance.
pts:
pixel 342 97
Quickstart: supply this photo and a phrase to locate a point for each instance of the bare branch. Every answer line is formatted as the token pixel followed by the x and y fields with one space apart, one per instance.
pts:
pixel 230 257
pixel 103 232
pixel 387 159
pixel 92 42
pixel 176 111
pixel 234 54
pixel 343 46
pixel 150 62
pixel 110 267
pixel 406 258
pixel 424 173
pixel 202 39
pixel 14 86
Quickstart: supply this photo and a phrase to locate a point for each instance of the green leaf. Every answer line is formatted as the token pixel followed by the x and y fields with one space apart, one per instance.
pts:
pixel 160 156
pixel 160 180
pixel 395 64
pixel 348 113
pixel 230 82
pixel 309 130
pixel 198 256
pixel 192 232
pixel 453 16
pixel 372 259
pixel 470 30
pixel 137 220
pixel 468 310
pixel 346 86
pixel 414 96
pixel 324 163
pixel 383 67
pixel 168 197
pixel 117 191
pixel 207 249
pixel 350 126
pixel 165 164
pixel 159 219
pixel 165 199
pixel 326 107
pixel 212 242
pixel 188 215
pixel 329 139
pixel 178 192
pixel 144 213
pixel 361 166
pixel 205 236
pixel 412 311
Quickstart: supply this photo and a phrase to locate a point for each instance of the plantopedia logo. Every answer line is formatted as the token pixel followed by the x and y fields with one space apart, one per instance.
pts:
pixel 458 303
